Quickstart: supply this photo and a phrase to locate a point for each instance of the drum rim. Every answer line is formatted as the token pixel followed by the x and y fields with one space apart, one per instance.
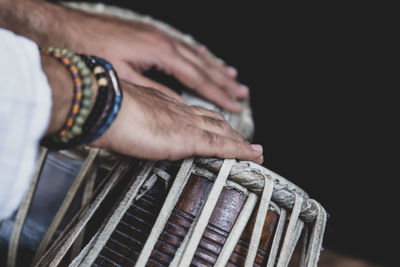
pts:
pixel 251 167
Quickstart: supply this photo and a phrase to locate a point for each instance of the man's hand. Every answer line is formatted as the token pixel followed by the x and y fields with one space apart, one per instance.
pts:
pixel 132 47
pixel 153 126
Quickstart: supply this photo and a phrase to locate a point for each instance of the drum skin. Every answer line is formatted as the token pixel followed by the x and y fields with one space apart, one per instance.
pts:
pixel 128 238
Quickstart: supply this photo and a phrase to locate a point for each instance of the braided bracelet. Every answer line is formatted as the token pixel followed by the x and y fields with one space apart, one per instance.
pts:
pixel 117 92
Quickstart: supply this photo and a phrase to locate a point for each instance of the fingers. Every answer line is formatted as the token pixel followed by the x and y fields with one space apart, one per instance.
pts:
pixel 215 122
pixel 217 72
pixel 207 144
pixel 212 121
pixel 204 52
pixel 151 126
pixel 231 71
pixel 220 127
pixel 193 77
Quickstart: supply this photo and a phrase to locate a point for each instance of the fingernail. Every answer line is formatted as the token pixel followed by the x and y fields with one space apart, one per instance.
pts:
pixel 243 88
pixel 258 148
pixel 231 71
pixel 260 159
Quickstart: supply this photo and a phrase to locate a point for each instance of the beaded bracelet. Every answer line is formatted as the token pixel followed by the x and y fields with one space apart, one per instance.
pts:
pixel 104 96
pixel 114 81
pixel 86 104
pixel 86 121
pixel 80 109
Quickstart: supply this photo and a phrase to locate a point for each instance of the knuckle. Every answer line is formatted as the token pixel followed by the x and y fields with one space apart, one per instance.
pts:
pixel 210 139
pixel 166 46
pixel 187 130
pixel 242 148
pixel 215 122
pixel 161 43
pixel 217 115
pixel 201 81
pixel 213 140
pixel 198 109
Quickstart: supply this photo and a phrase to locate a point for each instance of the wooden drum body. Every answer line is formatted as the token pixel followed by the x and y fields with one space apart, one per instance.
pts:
pixel 127 240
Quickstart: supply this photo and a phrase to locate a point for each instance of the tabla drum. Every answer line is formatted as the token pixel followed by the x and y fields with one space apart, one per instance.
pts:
pixel 90 207
pixel 197 212
pixel 120 211
pixel 203 212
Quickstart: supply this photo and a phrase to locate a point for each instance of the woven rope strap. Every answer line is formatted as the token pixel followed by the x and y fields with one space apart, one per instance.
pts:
pixel 114 218
pixel 317 234
pixel 61 245
pixel 277 239
pixel 83 173
pixel 23 210
pixel 87 192
pixel 169 204
pixel 199 225
pixel 293 232
pixel 251 176
pixel 237 230
pixel 260 220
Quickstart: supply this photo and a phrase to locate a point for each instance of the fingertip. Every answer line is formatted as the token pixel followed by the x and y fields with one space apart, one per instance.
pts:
pixel 259 149
pixel 231 71
pixel 238 91
pixel 243 90
pixel 234 106
pixel 260 160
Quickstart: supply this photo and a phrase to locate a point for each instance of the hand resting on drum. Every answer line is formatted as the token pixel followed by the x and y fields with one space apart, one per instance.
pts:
pixel 132 47
pixel 152 125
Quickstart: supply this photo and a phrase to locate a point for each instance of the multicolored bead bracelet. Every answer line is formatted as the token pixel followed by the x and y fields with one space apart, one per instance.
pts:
pixel 81 105
pixel 82 102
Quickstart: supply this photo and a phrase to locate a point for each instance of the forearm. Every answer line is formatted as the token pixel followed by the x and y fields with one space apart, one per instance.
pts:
pixel 40 21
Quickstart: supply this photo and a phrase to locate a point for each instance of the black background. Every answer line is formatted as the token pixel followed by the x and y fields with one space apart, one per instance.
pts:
pixel 323 105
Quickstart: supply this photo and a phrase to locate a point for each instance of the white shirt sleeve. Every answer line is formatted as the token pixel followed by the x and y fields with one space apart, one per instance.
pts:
pixel 25 106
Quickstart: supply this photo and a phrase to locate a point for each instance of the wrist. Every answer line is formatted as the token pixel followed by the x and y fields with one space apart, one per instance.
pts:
pixel 94 107
pixel 61 85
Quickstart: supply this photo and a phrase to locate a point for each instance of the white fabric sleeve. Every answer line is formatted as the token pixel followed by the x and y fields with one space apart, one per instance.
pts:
pixel 25 107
